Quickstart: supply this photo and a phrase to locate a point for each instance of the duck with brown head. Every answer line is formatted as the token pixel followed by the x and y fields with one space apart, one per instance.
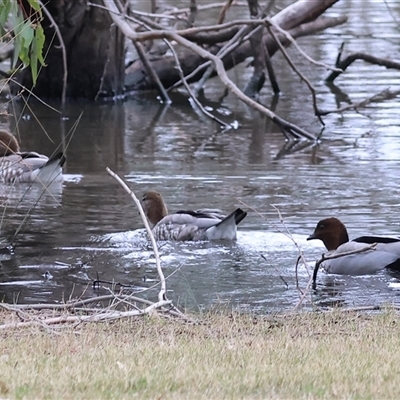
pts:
pixel 204 224
pixel 17 166
pixel 333 233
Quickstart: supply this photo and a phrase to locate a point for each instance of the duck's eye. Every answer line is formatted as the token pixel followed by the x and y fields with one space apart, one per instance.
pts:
pixel 321 226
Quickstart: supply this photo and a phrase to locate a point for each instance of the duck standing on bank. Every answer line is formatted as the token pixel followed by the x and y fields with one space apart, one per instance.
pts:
pixel 333 233
pixel 205 224
pixel 20 167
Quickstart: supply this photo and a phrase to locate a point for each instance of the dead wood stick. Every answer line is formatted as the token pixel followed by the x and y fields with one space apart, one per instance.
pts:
pixel 224 9
pixel 295 131
pixel 190 91
pixel 150 70
pixel 242 35
pixel 271 72
pixel 107 316
pixel 292 40
pixel 343 64
pixel 377 307
pixel 206 7
pixel 193 12
pixel 383 95
pixel 302 30
pixel 297 71
pixel 226 49
pixel 163 290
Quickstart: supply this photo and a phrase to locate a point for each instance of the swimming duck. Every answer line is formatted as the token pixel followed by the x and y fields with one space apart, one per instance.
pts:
pixel 17 166
pixel 204 224
pixel 333 233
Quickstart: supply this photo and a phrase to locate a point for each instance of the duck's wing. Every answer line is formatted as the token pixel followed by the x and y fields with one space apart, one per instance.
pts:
pixel 29 166
pixel 16 167
pixel 189 217
pixel 179 232
pixel 212 213
pixel 376 239
pixel 194 225
pixel 362 263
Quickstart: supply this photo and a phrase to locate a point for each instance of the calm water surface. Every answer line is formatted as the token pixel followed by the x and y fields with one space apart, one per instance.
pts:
pixel 88 227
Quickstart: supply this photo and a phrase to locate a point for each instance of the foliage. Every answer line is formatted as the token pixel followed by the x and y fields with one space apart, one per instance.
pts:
pixel 27 32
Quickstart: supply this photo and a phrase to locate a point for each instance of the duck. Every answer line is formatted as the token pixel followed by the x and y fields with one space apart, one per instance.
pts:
pixel 384 251
pixel 187 225
pixel 27 167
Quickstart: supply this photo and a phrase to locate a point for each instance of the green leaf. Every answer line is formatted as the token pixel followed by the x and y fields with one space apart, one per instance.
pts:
pixel 5 7
pixel 29 36
pixel 35 5
pixel 39 43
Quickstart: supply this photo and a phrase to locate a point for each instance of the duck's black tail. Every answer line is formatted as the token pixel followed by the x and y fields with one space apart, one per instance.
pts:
pixel 239 215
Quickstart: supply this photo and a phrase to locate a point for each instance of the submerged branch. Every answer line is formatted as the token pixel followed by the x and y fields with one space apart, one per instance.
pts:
pixel 343 64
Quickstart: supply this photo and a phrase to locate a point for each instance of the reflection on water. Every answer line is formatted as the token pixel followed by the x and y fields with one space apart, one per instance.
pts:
pixel 88 228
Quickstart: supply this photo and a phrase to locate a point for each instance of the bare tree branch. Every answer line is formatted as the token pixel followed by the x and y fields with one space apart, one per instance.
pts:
pixel 288 128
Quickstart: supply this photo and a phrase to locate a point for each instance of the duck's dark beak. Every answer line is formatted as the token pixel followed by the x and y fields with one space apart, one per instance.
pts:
pixel 312 236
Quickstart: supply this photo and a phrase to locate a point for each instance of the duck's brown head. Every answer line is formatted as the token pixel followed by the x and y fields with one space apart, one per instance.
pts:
pixel 154 207
pixel 332 232
pixel 8 144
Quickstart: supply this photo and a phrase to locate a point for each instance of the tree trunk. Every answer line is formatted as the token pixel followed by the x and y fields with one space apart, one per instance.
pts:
pixel 94 51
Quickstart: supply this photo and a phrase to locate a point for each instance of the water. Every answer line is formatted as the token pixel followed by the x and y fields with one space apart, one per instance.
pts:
pixel 86 229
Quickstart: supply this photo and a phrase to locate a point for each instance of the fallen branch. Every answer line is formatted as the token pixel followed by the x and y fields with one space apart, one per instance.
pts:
pixel 290 130
pixel 343 64
pixel 297 71
pixel 192 95
pixel 98 317
pixel 383 95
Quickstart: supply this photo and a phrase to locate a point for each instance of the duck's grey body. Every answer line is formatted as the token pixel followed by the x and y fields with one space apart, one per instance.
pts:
pixel 204 224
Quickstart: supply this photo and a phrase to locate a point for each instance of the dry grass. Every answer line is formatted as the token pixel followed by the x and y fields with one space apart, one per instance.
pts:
pixel 324 356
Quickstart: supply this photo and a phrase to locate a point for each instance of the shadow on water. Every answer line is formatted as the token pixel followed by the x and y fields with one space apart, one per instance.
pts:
pixel 88 229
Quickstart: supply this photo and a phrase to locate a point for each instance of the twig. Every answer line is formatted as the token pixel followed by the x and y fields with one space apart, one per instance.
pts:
pixel 224 9
pixel 162 295
pixel 343 64
pixel 293 41
pixel 150 70
pixel 384 94
pixel 207 7
pixel 271 72
pixel 64 53
pixel 338 255
pixel 280 276
pixel 191 94
pixel 107 316
pixel 193 12
pixel 297 71
pixel 377 307
pixel 226 49
pixel 294 130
